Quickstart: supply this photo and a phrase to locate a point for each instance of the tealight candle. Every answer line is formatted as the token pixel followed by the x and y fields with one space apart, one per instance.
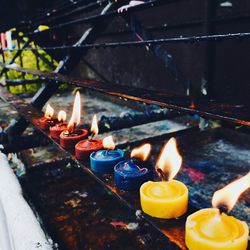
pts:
pixel 48 119
pixel 131 174
pixel 69 137
pixel 61 126
pixel 103 161
pixel 84 148
pixel 210 228
pixel 168 198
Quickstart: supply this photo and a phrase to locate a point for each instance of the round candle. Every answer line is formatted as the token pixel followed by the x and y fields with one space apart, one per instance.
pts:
pixel 73 135
pixel 68 140
pixel 168 198
pixel 103 161
pixel 56 130
pixel 165 199
pixel 131 174
pixel 84 148
pixel 61 126
pixel 48 119
pixel 208 229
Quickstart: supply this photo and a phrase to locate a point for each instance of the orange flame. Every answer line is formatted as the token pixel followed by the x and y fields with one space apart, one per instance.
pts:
pixel 170 160
pixel 141 152
pixel 229 195
pixel 61 116
pixel 76 113
pixel 94 126
pixel 49 112
pixel 108 142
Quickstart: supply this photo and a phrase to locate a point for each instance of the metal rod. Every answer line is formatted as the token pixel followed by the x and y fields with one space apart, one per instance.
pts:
pixel 110 14
pixel 173 40
pixel 236 114
pixel 81 9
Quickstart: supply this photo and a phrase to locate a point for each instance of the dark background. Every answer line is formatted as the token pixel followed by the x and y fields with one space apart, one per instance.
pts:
pixel 224 65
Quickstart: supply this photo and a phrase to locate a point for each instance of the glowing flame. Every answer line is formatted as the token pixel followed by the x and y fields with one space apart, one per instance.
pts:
pixel 94 126
pixel 108 142
pixel 229 195
pixel 49 112
pixel 169 162
pixel 76 114
pixel 141 152
pixel 61 117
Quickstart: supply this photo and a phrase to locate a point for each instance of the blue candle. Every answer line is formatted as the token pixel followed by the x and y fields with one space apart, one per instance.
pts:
pixel 103 161
pixel 131 174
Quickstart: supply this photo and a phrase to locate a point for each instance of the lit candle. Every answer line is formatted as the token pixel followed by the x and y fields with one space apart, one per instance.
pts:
pixel 72 135
pixel 131 174
pixel 61 126
pixel 48 119
pixel 103 161
pixel 211 228
pixel 84 148
pixel 168 198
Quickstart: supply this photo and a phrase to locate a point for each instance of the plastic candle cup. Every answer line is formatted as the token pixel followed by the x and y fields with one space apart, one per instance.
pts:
pixel 103 161
pixel 84 148
pixel 131 174
pixel 72 135
pixel 168 198
pixel 48 119
pixel 61 126
pixel 211 228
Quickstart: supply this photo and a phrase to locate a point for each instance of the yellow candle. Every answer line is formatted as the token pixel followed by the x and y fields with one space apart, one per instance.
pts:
pixel 165 199
pixel 207 229
pixel 168 198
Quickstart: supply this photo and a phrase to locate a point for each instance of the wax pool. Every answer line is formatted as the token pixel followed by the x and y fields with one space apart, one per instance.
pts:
pixel 84 148
pixel 104 161
pixel 69 140
pixel 131 174
pixel 164 199
pixel 207 229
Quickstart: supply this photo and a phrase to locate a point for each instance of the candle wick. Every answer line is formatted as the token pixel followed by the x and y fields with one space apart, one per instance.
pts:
pixel 223 209
pixel 162 175
pixel 91 137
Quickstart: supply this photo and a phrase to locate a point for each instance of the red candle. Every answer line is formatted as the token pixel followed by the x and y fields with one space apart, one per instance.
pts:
pixel 72 135
pixel 48 119
pixel 61 126
pixel 68 139
pixel 84 148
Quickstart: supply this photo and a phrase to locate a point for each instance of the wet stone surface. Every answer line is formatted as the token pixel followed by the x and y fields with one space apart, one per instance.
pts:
pixel 80 214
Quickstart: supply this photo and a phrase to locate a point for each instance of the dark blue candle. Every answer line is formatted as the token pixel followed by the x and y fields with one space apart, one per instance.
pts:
pixel 132 173
pixel 103 161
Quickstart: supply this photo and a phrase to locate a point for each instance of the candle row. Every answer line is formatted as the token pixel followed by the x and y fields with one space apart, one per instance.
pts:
pixel 206 229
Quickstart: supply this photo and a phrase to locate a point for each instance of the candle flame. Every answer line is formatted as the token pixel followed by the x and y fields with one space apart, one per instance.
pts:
pixel 94 126
pixel 229 195
pixel 141 152
pixel 76 113
pixel 61 117
pixel 169 162
pixel 49 112
pixel 108 142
